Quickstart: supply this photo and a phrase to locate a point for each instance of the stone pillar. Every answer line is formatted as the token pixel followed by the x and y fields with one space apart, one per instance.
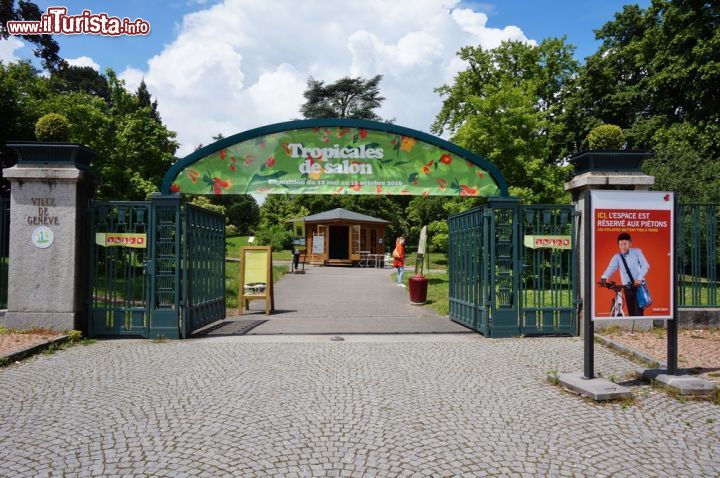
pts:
pixel 49 235
pixel 604 169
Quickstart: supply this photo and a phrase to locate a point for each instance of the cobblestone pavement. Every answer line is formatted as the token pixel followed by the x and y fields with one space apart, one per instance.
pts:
pixel 367 406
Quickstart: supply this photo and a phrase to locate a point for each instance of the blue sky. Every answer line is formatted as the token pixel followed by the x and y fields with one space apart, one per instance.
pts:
pixel 226 66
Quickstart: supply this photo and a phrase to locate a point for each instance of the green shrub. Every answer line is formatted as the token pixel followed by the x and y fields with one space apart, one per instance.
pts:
pixel 439 236
pixel 52 127
pixel 606 136
pixel 231 230
pixel 74 336
pixel 276 236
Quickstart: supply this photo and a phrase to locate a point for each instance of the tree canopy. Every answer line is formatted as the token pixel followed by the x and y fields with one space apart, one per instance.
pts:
pixel 46 48
pixel 354 98
pixel 504 107
pixel 657 76
pixel 134 148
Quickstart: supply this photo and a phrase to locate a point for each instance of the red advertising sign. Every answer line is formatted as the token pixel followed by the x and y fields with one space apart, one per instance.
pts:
pixel 632 254
pixel 137 241
pixel 548 242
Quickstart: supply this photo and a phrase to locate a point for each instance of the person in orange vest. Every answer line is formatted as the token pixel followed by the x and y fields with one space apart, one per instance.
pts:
pixel 399 259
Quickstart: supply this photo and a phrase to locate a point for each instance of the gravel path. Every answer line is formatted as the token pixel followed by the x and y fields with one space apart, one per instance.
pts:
pixel 14 342
pixel 697 349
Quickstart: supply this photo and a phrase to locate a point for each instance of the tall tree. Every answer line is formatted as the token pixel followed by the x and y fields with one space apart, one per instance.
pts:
pixel 504 107
pixel 134 149
pixel 80 79
pixel 145 100
pixel 657 75
pixel 144 146
pixel 241 210
pixel 424 210
pixel 354 98
pixel 46 48
pixel 22 91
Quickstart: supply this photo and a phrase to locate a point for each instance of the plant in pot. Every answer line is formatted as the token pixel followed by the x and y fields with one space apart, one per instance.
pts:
pixel 52 146
pixel 52 128
pixel 606 152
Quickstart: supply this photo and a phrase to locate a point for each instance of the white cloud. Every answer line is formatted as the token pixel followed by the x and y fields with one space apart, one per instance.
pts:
pixel 475 23
pixel 7 49
pixel 83 61
pixel 240 64
pixel 132 77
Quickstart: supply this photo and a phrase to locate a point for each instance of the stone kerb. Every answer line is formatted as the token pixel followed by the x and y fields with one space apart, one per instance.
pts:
pixel 47 276
pixel 608 170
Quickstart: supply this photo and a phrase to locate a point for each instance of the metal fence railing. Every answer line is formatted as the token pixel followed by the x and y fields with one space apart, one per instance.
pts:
pixel 468 274
pixel 118 293
pixel 698 255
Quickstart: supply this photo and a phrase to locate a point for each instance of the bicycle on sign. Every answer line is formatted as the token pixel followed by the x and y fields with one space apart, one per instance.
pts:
pixel 616 307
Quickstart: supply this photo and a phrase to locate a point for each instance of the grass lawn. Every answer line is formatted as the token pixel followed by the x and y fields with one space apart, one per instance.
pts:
pixel 438 290
pixel 699 292
pixel 438 260
pixel 233 245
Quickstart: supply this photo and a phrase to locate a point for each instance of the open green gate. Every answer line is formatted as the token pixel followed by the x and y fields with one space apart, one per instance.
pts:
pixel 503 282
pixel 118 298
pixel 156 268
pixel 203 276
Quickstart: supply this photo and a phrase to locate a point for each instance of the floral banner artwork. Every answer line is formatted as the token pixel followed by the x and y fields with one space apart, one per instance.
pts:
pixel 334 160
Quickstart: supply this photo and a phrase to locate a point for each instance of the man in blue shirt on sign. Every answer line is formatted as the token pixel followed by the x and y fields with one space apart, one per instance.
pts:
pixel 633 269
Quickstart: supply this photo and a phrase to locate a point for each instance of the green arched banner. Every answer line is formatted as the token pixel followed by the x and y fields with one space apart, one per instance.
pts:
pixel 334 156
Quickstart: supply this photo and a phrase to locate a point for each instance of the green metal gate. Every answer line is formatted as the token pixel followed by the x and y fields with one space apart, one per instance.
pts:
pixel 203 268
pixel 502 288
pixel 156 268
pixel 468 274
pixel 548 296
pixel 4 250
pixel 164 266
pixel 119 287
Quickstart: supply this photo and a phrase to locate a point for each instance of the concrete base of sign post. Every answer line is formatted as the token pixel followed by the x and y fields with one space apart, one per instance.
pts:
pixel 625 324
pixel 598 389
pixel 682 383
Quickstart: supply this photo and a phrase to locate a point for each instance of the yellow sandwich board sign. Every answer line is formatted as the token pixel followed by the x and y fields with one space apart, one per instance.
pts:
pixel 256 277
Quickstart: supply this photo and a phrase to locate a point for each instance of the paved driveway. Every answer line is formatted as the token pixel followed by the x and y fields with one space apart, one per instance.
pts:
pixel 339 300
pixel 442 405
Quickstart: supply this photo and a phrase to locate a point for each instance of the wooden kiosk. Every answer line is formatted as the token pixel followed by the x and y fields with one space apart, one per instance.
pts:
pixel 343 238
